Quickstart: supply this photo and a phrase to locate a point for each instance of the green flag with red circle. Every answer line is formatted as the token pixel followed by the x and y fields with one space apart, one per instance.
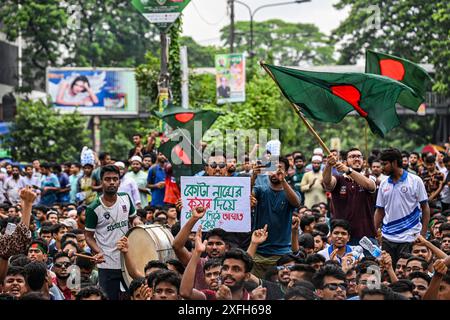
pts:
pixel 329 97
pixel 405 71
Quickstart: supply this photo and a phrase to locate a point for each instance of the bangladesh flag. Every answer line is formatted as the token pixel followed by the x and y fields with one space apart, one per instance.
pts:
pixel 405 71
pixel 192 124
pixel 329 97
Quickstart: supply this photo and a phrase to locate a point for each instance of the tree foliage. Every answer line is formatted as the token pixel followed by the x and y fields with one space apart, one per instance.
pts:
pixel 283 42
pixel 38 132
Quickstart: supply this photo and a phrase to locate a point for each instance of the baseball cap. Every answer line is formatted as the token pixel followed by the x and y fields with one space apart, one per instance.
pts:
pixel 71 223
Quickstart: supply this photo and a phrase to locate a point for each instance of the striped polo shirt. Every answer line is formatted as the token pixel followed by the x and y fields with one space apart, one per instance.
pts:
pixel 401 203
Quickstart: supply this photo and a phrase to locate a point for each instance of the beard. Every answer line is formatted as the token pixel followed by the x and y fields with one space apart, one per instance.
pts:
pixel 316 169
pixel 231 169
pixel 238 285
pixel 63 277
pixel 110 191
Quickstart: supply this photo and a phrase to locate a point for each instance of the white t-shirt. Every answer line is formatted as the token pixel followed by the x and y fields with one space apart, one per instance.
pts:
pixel 401 202
pixel 110 224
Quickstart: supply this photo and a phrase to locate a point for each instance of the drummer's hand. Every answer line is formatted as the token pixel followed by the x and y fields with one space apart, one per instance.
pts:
pixel 99 258
pixel 122 244
pixel 198 213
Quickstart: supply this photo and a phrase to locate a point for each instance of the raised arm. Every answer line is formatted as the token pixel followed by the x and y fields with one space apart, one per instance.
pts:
pixel 436 251
pixel 178 243
pixel 291 195
pixel 187 290
pixel 258 237
pixel 440 269
pixel 329 181
pixel 27 197
pixel 360 179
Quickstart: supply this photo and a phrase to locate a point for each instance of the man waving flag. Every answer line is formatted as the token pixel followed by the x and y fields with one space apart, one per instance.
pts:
pixel 329 97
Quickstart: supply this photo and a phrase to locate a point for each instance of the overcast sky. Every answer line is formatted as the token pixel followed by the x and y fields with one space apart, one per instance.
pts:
pixel 203 19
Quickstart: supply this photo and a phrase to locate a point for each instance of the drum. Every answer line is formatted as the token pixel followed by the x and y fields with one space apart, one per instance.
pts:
pixel 145 243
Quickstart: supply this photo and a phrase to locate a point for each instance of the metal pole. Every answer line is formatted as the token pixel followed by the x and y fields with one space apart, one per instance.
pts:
pixel 163 83
pixel 251 38
pixel 184 78
pixel 231 2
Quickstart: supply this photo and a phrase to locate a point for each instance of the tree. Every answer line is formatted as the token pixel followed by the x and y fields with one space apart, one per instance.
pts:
pixel 41 26
pixel 88 33
pixel 284 42
pixel 112 33
pixel 413 29
pixel 38 132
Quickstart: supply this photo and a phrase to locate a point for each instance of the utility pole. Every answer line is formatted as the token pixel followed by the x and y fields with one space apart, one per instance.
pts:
pixel 231 4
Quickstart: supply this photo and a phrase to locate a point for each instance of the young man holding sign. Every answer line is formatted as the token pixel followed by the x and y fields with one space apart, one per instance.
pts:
pixel 276 202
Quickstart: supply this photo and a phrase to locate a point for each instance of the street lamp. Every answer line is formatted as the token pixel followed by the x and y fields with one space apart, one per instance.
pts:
pixel 252 15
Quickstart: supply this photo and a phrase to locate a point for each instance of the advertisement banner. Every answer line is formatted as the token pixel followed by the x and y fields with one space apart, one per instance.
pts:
pixel 226 201
pixel 100 91
pixel 230 78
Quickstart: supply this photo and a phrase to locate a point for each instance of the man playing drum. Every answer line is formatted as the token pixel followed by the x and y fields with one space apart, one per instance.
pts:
pixel 108 218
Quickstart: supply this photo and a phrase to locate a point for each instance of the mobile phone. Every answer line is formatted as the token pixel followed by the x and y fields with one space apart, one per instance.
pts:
pixel 10 228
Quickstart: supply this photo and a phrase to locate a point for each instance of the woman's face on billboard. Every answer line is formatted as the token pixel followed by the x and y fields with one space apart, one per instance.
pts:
pixel 78 87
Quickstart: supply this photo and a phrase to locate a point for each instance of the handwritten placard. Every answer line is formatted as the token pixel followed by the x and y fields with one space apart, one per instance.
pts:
pixel 225 199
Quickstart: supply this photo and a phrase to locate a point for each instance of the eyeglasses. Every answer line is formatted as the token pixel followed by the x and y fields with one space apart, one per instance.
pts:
pixel 355 156
pixel 63 265
pixel 290 267
pixel 334 286
pixel 214 165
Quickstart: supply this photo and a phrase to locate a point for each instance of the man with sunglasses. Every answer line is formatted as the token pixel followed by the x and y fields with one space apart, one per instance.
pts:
pixel 61 263
pixel 330 283
pixel 352 195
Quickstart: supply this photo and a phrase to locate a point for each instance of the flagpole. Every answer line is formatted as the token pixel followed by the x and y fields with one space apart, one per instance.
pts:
pixel 299 113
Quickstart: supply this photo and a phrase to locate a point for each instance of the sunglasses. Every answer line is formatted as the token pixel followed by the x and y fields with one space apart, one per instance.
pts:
pixel 63 265
pixel 214 165
pixel 334 286
pixel 279 268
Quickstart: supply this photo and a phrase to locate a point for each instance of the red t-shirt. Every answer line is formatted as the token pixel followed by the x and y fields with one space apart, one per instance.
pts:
pixel 351 202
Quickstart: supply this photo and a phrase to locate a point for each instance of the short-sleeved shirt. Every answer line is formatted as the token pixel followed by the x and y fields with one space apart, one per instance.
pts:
pixel 274 209
pixel 351 202
pixel 401 203
pixel 110 224
pixel 141 180
pixel 64 197
pixel 50 197
pixel 157 174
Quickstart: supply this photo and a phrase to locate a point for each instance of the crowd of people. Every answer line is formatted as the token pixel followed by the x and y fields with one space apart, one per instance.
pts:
pixel 324 227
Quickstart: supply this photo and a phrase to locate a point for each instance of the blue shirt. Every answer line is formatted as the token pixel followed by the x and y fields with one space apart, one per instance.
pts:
pixel 64 197
pixel 157 174
pixel 50 197
pixel 274 209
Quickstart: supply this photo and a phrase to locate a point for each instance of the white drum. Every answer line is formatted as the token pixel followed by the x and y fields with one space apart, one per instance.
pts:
pixel 145 243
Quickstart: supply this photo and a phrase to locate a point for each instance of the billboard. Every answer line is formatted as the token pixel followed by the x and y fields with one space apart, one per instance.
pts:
pixel 100 91
pixel 230 78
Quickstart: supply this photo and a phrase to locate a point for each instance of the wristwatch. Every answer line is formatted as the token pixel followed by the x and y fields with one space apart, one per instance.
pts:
pixel 349 171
